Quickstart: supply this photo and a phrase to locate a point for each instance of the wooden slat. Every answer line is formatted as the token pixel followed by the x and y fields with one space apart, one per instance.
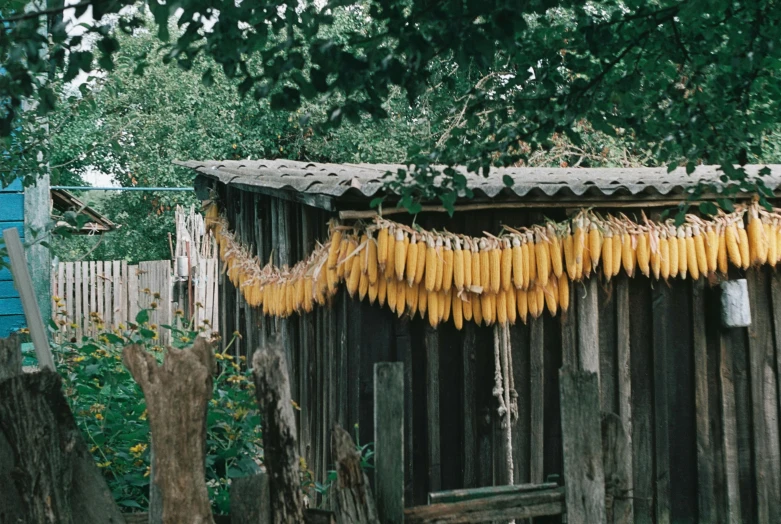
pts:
pixel 497 508
pixel 588 325
pixel 584 476
pixel 569 332
pixel 661 348
pixel 123 298
pixel 459 495
pixel 60 287
pixel 432 403
pixel 469 412
pixel 404 354
pixel 389 441
pixel 730 432
pixel 116 290
pixel 97 296
pixel 764 402
pixel 85 303
pixel 78 317
pixel 69 294
pixel 108 303
pixel 537 400
pixel 623 507
pixel 520 339
pixel 132 293
pixel 705 494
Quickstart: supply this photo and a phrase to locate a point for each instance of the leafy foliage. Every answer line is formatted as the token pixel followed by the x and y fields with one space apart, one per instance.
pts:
pixel 111 412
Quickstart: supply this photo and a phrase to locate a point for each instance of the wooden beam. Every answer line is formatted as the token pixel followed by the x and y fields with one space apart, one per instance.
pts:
pixel 705 475
pixel 623 507
pixel 537 400
pixel 24 286
pixel 584 475
pixel 661 347
pixel 588 325
pixel 389 440
pixel 459 495
pixel 494 508
pixel 432 403
pixel 730 431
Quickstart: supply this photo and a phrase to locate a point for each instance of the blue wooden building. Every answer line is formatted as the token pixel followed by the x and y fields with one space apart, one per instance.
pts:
pixel 11 215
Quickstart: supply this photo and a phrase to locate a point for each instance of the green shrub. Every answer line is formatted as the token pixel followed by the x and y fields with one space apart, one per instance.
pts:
pixel 111 412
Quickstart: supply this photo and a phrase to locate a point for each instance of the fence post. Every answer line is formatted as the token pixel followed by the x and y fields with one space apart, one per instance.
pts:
pixel 389 440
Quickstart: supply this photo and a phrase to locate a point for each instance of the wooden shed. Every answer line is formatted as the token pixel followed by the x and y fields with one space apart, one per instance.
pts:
pixel 689 409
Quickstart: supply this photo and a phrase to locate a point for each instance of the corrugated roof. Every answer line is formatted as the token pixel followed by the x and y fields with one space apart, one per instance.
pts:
pixel 364 181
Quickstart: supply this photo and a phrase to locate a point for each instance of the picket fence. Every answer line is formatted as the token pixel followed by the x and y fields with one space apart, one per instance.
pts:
pixel 86 295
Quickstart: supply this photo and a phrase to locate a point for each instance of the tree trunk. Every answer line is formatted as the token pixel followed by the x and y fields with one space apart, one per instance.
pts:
pixel 351 494
pixel 272 389
pixel 177 395
pixel 10 504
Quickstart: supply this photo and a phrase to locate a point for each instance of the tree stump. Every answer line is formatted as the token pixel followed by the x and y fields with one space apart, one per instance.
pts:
pixel 10 504
pixel 351 494
pixel 177 395
pixel 272 390
pixel 249 500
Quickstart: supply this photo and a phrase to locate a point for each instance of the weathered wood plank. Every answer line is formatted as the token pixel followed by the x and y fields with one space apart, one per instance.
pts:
pixel 432 403
pixel 132 293
pixel 389 440
pixel 569 332
pixel 661 346
pixel 468 356
pixel 764 402
pixel 99 294
pixel 623 506
pixel 108 314
pixel 705 494
pixel 615 450
pixel 69 293
pixel 537 399
pixel 404 354
pixel 588 325
pixel 250 500
pixel 584 476
pixel 458 495
pixel 729 433
pixel 85 303
pixel 77 300
pixel 608 380
pixel 116 292
pixel 497 508
pixel 520 336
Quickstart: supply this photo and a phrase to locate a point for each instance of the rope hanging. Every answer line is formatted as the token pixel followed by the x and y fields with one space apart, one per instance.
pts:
pixel 490 279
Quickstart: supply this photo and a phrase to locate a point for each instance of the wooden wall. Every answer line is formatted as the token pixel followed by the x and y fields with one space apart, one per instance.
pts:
pixel 11 215
pixel 699 403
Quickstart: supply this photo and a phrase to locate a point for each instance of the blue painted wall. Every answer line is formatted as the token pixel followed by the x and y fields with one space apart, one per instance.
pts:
pixel 11 215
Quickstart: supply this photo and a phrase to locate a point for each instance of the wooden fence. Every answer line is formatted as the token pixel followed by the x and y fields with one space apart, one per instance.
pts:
pixel 87 295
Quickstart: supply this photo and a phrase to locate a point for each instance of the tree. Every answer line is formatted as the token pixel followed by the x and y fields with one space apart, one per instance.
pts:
pixel 689 81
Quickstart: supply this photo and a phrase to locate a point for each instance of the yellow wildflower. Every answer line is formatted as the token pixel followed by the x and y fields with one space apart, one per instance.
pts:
pixel 104 464
pixel 146 473
pixel 98 416
pixel 80 358
pixel 138 449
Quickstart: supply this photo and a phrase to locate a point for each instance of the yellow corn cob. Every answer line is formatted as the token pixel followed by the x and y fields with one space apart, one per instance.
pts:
pixel 422 300
pixel 382 248
pixel 664 255
pixel 321 287
pixel 382 290
pixel 411 266
pixel 332 277
pixel 364 254
pixel 333 249
pixel 341 265
pixel 542 258
pixel 411 295
pixel 723 258
pixel 290 299
pixel 745 257
pixel 533 302
pixel 683 253
pixel 458 265
pixel 692 264
pixel 476 269
pixel 772 244
pixel 672 242
pixel 517 261
pixel 757 242
pixel 421 260
pixel 401 296
pixel 532 265
pixel 485 266
pixel 617 252
pixel 355 275
pixel 298 284
pixel 607 256
pixel 467 251
pixel 466 305
pixel 433 308
pixel 390 261
pixel 563 285
pixel 308 293
pixel 501 307
pixel 569 254
pixel 392 292
pixel 488 305
pixel 628 253
pixel 733 250
pixel 402 242
pixel 522 299
pixel 440 265
pixel 447 267
pixel 656 256
pixel 527 256
pixel 431 264
pixel 578 246
pixel 363 286
pixel 495 259
pixel 551 293
pixel 643 254
pixel 595 245
pixel 458 311
pixel 510 303
pixel 554 249
pixel 372 264
pixel 711 248
pixel 506 265
pixel 477 308
pixel 445 306
pixel 374 290
pixel 699 250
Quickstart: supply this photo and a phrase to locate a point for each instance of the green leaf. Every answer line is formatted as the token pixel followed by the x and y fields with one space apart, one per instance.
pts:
pixel 142 317
pixel 508 180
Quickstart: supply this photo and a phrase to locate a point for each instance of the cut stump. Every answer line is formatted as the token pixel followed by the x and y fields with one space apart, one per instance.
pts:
pixel 351 493
pixel 177 395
